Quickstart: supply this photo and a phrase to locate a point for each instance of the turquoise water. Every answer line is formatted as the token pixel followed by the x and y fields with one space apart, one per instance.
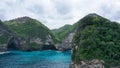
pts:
pixel 35 59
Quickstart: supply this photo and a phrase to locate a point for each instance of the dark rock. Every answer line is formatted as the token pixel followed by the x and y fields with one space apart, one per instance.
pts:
pixel 48 47
pixel 13 44
pixel 61 49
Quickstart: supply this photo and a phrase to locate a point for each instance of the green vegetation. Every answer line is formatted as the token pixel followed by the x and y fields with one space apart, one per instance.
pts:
pixel 3 39
pixel 97 38
pixel 62 32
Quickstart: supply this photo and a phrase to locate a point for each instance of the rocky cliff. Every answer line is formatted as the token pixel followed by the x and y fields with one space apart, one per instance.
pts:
pixel 66 43
pixel 65 35
pixel 96 43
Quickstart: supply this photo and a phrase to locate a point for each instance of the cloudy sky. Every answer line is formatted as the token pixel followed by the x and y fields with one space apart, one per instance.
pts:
pixel 56 13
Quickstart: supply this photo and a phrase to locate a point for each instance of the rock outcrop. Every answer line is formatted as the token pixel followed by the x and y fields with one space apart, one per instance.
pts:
pixel 95 63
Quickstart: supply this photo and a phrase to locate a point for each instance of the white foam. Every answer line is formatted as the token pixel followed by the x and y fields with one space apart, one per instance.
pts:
pixel 4 52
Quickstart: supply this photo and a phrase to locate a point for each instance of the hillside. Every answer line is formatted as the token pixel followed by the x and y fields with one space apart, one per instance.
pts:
pixel 33 35
pixel 61 32
pixel 96 43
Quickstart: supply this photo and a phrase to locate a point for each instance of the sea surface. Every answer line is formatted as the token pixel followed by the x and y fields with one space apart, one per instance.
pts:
pixel 35 59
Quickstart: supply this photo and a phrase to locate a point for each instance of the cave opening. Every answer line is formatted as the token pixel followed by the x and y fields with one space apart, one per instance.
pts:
pixel 48 47
pixel 13 44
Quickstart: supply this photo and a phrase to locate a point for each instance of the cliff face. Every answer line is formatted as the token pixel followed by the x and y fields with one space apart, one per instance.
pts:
pixel 65 35
pixel 96 43
pixel 5 35
pixel 66 43
pixel 30 35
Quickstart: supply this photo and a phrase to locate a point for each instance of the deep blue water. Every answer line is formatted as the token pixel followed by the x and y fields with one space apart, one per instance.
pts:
pixel 35 59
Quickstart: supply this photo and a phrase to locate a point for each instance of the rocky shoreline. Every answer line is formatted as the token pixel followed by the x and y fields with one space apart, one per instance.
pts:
pixel 95 63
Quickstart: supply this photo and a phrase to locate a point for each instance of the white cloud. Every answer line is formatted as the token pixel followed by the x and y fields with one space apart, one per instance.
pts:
pixel 56 13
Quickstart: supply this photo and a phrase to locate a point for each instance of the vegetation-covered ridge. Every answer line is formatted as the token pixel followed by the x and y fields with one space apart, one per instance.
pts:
pixel 97 38
pixel 62 32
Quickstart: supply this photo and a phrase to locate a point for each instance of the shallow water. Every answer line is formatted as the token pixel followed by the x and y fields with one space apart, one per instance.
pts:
pixel 35 59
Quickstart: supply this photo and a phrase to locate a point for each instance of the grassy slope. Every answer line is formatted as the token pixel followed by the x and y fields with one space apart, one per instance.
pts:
pixel 29 28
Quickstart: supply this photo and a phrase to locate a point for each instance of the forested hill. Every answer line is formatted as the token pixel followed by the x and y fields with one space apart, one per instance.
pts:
pixel 97 38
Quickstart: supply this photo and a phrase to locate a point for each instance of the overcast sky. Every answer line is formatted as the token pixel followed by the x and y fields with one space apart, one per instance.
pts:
pixel 56 13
